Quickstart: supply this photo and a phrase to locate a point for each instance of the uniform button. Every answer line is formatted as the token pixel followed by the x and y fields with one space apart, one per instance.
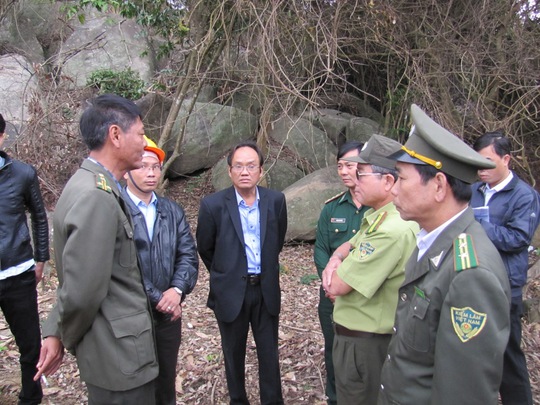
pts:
pixel 382 387
pixel 356 212
pixel 354 231
pixel 403 296
pixel 394 329
pixel 388 357
pixel 336 231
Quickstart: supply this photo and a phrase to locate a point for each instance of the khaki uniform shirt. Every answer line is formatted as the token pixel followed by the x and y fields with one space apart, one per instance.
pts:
pixel 375 270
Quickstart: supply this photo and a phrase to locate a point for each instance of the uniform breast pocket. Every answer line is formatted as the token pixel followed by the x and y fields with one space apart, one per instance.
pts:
pixel 416 328
pixel 127 257
pixel 134 342
pixel 338 230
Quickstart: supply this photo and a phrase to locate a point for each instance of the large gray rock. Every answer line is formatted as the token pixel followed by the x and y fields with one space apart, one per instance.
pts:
pixel 211 131
pixel 155 109
pixel 333 122
pixel 18 85
pixel 361 129
pixel 35 29
pixel 105 41
pixel 305 140
pixel 305 200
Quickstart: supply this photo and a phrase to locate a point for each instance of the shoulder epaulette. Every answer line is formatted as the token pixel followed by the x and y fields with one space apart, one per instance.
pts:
pixel 378 221
pixel 101 183
pixel 335 197
pixel 464 253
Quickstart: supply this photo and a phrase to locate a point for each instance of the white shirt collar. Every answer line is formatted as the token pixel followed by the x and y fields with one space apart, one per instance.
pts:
pixel 425 239
pixel 137 200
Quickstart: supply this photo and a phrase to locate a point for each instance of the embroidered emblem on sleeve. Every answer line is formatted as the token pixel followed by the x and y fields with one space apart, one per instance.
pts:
pixel 101 183
pixel 467 322
pixel 365 249
pixel 464 253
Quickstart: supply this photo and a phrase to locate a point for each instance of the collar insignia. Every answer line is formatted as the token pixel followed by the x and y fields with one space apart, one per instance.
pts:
pixel 378 221
pixel 101 183
pixel 464 253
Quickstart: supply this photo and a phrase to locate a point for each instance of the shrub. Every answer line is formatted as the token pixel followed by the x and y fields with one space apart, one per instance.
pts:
pixel 126 83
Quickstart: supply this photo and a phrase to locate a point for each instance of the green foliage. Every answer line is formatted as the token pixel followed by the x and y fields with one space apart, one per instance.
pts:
pixel 126 83
pixel 309 278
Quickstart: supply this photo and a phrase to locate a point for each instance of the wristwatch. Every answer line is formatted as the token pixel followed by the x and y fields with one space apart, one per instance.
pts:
pixel 178 291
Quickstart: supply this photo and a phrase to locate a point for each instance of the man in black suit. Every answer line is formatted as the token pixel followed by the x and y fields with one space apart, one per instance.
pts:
pixel 240 234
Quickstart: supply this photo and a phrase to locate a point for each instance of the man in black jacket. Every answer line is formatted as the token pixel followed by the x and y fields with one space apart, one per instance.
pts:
pixel 169 262
pixel 21 267
pixel 240 233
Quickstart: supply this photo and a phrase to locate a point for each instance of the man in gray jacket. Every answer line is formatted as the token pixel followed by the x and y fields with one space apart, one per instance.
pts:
pixel 102 314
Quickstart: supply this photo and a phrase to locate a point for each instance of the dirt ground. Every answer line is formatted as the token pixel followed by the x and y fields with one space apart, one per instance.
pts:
pixel 201 376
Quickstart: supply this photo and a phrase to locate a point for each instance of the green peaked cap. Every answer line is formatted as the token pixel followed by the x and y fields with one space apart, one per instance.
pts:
pixel 431 144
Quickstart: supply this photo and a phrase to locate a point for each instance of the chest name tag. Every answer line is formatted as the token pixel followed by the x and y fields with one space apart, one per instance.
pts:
pixel 338 220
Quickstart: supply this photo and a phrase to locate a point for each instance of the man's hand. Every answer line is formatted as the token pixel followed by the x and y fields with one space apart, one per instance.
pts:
pixel 170 304
pixel 50 357
pixel 329 270
pixel 39 271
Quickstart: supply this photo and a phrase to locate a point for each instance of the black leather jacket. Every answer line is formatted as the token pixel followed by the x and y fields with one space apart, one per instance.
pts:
pixel 19 191
pixel 170 259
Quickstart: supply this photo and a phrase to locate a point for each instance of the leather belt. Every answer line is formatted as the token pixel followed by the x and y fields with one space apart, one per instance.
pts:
pixel 343 331
pixel 253 279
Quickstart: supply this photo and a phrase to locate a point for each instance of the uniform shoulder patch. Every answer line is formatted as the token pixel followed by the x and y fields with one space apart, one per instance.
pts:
pixel 365 249
pixel 464 253
pixel 378 221
pixel 101 183
pixel 335 197
pixel 467 322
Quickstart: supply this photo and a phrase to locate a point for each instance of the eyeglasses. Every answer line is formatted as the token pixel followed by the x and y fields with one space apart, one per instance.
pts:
pixel 240 168
pixel 360 174
pixel 155 168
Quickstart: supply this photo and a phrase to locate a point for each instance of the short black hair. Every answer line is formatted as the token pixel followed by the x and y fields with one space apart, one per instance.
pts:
pixel 385 170
pixel 104 111
pixel 501 144
pixel 2 124
pixel 245 144
pixel 349 146
pixel 462 191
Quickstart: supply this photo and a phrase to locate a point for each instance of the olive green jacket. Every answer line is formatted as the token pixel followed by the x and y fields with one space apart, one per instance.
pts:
pixel 452 322
pixel 102 313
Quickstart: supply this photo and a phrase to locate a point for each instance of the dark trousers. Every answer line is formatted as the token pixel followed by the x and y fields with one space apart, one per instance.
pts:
pixel 358 363
pixel 18 300
pixel 326 308
pixel 168 335
pixel 233 341
pixel 515 386
pixel 143 395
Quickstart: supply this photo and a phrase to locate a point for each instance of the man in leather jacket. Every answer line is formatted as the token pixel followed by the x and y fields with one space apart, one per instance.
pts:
pixel 21 268
pixel 168 259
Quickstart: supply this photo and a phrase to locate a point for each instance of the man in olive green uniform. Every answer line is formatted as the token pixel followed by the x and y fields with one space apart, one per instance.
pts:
pixel 452 321
pixel 102 314
pixel 339 221
pixel 366 280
